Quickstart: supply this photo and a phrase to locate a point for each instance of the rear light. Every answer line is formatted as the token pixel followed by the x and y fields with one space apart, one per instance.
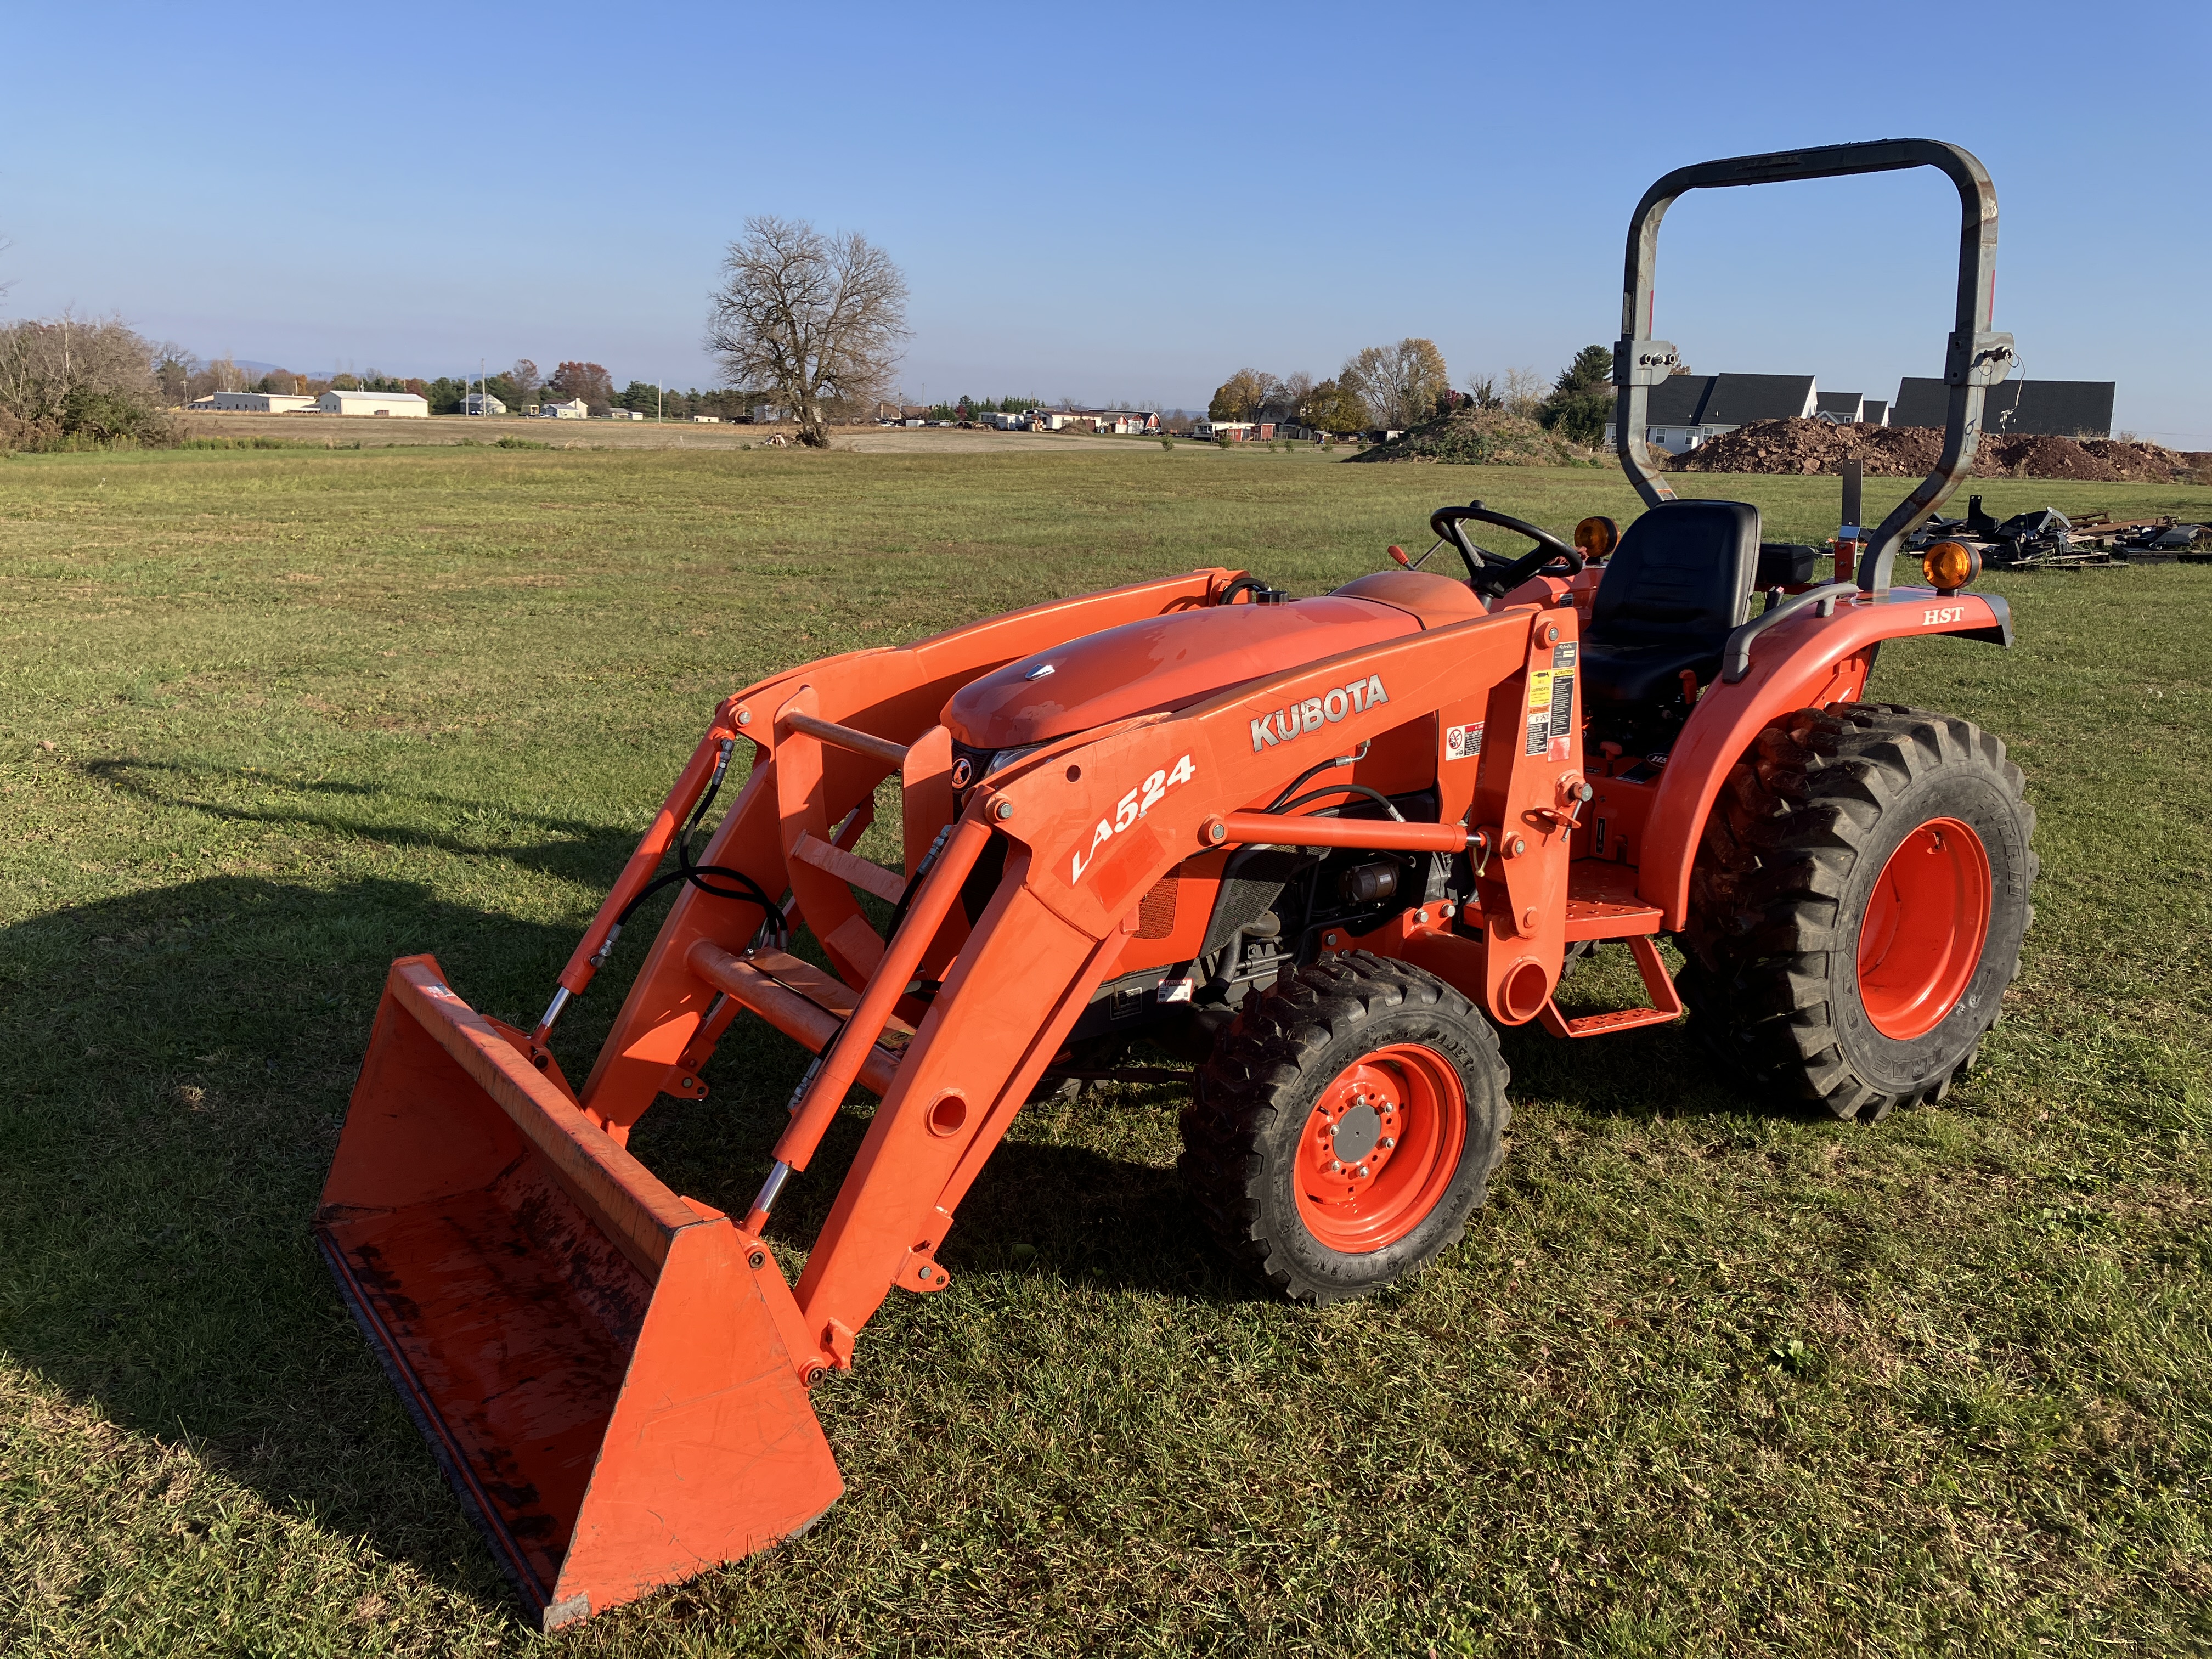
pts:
pixel 1595 537
pixel 1950 565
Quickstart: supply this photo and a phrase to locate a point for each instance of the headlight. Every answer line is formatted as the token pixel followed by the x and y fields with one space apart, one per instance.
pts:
pixel 1595 537
pixel 1006 758
pixel 1949 566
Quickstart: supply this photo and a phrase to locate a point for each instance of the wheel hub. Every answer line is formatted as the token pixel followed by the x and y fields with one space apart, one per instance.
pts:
pixel 1357 1132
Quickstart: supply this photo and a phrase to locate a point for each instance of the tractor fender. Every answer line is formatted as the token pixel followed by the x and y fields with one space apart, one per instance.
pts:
pixel 1804 662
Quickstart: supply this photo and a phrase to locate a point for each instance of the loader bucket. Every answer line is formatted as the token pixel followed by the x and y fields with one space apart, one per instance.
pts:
pixel 597 1362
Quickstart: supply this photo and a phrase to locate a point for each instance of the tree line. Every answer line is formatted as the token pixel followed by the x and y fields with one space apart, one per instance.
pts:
pixel 1407 384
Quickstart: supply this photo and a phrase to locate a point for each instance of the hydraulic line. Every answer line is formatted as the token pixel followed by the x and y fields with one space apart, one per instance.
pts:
pixel 1376 795
pixel 1313 772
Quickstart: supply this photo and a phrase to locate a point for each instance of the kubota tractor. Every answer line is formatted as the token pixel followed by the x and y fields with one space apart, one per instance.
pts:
pixel 1330 845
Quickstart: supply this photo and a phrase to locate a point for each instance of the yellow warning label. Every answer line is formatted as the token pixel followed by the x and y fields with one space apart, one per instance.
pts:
pixel 1540 689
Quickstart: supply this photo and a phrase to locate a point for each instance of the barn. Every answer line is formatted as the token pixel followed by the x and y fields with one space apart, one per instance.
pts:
pixel 407 403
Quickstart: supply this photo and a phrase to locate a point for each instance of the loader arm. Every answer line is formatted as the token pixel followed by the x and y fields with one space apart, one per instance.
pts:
pixel 893 696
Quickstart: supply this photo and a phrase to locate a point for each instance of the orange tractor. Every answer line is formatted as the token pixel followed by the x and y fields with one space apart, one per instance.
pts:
pixel 1326 846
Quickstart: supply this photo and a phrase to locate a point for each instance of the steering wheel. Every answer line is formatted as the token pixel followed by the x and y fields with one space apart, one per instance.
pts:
pixel 1494 573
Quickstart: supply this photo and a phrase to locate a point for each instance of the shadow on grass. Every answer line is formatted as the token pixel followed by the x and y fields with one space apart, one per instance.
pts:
pixel 573 849
pixel 1649 1073
pixel 174 1070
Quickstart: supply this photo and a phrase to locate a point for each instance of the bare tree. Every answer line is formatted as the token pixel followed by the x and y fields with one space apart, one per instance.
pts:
pixel 1400 383
pixel 1293 394
pixel 1524 390
pixel 525 377
pixel 817 320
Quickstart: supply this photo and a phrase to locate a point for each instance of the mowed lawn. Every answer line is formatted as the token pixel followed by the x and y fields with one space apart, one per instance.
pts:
pixel 1710 1374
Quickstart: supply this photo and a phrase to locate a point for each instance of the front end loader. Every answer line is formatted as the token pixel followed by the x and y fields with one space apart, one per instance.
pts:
pixel 1325 848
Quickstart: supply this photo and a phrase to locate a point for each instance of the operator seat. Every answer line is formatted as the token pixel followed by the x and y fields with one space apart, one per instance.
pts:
pixel 1678 585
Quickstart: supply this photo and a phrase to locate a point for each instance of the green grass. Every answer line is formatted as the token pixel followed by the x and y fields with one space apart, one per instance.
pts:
pixel 1709 1375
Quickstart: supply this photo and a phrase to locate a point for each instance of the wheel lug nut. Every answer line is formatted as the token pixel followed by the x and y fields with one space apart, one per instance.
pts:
pixel 1335 1167
pixel 1361 1171
pixel 1387 1142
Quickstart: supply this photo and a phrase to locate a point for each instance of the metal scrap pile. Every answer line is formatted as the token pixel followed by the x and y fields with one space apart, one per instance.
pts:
pixel 2046 539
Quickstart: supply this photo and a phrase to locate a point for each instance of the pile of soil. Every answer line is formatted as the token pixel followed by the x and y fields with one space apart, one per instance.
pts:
pixel 1903 452
pixel 1479 437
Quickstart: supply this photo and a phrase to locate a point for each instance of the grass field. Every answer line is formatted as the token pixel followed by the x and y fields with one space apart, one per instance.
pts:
pixel 1709 1375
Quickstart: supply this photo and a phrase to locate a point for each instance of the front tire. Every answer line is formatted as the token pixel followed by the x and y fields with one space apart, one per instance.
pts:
pixel 1347 1127
pixel 1858 905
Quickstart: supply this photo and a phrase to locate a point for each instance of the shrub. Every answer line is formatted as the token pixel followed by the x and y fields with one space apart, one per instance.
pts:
pixel 68 383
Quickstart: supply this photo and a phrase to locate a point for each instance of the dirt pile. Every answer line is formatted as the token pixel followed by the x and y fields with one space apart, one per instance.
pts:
pixel 1479 437
pixel 1901 452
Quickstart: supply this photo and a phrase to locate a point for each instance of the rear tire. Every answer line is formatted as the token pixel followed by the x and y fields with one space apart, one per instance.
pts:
pixel 1347 1127
pixel 1858 903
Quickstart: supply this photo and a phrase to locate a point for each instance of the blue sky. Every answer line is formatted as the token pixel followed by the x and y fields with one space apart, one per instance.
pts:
pixel 1111 202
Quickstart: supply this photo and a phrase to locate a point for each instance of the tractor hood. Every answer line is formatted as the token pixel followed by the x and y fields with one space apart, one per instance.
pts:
pixel 1162 662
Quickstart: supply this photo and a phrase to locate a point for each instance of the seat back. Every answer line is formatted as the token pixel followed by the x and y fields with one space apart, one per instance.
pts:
pixel 1682 572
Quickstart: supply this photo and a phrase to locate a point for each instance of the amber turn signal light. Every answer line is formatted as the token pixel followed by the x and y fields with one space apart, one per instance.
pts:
pixel 1595 537
pixel 1950 565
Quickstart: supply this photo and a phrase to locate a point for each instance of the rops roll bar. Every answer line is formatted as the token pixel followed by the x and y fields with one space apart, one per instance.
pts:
pixel 1975 359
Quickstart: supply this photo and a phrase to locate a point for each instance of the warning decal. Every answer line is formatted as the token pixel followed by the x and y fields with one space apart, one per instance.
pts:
pixel 1540 710
pixel 1562 707
pixel 1463 742
pixel 1563 654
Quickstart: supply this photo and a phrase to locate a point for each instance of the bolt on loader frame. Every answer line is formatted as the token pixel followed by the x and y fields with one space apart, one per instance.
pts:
pixel 615 1376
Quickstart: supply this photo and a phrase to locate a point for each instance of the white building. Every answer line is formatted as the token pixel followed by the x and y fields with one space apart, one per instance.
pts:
pixel 482 403
pixel 575 410
pixel 1685 410
pixel 408 404
pixel 770 414
pixel 256 403
pixel 1237 432
pixel 706 420
pixel 1010 420
pixel 624 415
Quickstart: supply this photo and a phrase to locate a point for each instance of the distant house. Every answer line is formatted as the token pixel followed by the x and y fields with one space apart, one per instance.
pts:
pixel 2069 409
pixel 482 403
pixel 575 410
pixel 1839 408
pixel 1125 423
pixel 706 420
pixel 625 415
pixel 1875 413
pixel 1237 432
pixel 409 404
pixel 254 403
pixel 1685 410
pixel 1008 420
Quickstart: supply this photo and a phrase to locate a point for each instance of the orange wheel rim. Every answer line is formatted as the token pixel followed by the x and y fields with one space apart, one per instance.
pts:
pixel 1922 937
pixel 1380 1148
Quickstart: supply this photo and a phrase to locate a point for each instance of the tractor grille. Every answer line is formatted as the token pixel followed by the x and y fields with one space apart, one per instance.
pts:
pixel 1155 911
